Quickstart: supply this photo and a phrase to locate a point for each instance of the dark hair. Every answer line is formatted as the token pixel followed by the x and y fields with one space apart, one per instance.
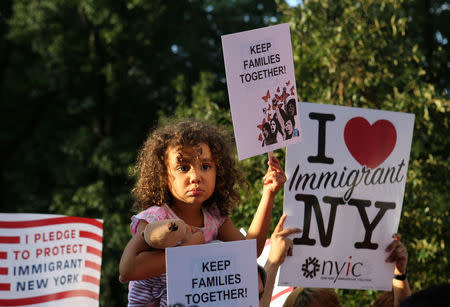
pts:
pixel 151 188
pixel 271 137
pixel 267 127
pixel 277 124
pixel 291 102
pixel 263 274
pixel 434 296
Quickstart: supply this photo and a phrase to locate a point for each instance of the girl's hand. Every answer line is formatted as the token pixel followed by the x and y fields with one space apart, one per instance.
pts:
pixel 193 236
pixel 275 177
pixel 398 254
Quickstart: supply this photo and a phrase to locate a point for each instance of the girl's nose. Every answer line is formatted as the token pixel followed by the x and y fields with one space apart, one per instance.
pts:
pixel 195 175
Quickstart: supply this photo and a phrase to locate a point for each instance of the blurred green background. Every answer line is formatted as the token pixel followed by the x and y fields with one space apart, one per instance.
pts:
pixel 83 82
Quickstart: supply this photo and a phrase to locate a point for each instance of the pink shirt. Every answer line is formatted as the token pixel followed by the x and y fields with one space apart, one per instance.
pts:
pixel 152 291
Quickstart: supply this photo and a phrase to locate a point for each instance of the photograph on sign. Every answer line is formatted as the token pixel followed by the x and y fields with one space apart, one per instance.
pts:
pixel 260 77
pixel 51 259
pixel 213 274
pixel 345 189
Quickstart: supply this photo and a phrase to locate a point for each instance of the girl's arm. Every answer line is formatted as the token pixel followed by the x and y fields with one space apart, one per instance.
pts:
pixel 139 263
pixel 259 228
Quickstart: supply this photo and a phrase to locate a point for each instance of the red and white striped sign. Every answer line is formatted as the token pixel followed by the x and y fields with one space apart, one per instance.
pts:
pixel 50 260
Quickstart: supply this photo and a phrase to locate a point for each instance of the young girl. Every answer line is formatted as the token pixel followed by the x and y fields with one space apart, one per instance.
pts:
pixel 187 171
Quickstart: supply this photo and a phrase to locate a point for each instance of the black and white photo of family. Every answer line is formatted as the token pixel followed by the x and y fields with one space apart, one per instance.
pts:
pixel 278 123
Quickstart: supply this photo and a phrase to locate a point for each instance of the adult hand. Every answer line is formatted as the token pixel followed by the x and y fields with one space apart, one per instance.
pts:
pixel 275 176
pixel 280 244
pixel 398 254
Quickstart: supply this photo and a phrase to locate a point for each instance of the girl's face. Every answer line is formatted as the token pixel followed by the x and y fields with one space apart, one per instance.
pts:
pixel 191 174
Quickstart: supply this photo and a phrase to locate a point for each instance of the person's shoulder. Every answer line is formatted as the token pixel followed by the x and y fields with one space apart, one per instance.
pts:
pixel 214 211
pixel 215 215
pixel 153 213
pixel 150 215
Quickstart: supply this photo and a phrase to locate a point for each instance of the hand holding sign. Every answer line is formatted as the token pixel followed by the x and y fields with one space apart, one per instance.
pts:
pixel 275 176
pixel 398 254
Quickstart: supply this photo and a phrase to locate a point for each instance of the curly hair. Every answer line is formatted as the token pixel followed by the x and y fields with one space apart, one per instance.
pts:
pixel 151 188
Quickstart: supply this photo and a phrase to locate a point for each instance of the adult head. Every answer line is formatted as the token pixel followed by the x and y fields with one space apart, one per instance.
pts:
pixel 262 276
pixel 435 296
pixel 312 297
pixel 386 299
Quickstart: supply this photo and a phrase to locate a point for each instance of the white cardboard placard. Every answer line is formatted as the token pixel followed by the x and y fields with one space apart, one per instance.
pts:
pixel 261 88
pixel 345 188
pixel 214 274
pixel 49 260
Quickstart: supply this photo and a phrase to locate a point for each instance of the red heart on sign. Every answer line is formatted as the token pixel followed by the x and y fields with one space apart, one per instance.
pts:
pixel 369 144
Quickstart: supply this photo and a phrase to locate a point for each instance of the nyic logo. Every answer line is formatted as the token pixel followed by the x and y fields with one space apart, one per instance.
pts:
pixel 310 267
pixel 332 269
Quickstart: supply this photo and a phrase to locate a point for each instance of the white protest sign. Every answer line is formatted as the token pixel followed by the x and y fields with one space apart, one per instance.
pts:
pixel 345 189
pixel 214 274
pixel 49 260
pixel 261 88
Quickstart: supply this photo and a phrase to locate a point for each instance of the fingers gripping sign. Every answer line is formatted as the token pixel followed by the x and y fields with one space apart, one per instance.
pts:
pixel 275 176
pixel 398 254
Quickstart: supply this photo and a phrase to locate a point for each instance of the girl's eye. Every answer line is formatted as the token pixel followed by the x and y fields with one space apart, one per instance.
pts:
pixel 206 167
pixel 183 168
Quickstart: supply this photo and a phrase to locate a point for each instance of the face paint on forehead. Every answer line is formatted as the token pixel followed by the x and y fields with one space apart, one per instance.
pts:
pixel 188 153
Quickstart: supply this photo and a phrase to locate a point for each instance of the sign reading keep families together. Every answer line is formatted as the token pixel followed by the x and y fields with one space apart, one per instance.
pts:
pixel 50 259
pixel 261 88
pixel 345 188
pixel 214 274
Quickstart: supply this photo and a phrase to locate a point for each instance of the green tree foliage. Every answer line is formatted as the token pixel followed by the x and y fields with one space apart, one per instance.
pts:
pixel 82 82
pixel 430 28
pixel 359 54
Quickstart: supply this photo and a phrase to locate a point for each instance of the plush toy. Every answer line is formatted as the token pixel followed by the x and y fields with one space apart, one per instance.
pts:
pixel 165 233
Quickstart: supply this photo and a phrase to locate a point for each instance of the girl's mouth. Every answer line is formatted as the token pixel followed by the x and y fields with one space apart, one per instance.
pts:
pixel 195 192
